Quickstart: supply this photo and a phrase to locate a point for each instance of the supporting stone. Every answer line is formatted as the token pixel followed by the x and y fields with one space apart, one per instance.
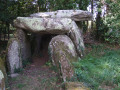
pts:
pixel 14 61
pixel 18 51
pixel 25 48
pixel 62 53
pixel 2 81
pixel 2 66
pixel 77 38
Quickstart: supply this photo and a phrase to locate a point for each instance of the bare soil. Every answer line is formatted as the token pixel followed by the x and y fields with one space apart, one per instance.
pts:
pixel 36 76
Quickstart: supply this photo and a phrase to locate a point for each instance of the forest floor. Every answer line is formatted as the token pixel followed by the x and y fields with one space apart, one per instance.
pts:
pixel 35 78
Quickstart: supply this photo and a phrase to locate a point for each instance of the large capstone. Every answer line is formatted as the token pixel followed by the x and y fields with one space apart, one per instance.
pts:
pixel 76 15
pixel 62 53
pixel 13 56
pixel 2 81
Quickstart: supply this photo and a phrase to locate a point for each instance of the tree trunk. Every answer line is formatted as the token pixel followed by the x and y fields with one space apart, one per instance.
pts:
pixel 92 13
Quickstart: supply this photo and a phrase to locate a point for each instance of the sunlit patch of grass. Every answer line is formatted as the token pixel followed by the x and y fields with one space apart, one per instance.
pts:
pixel 96 69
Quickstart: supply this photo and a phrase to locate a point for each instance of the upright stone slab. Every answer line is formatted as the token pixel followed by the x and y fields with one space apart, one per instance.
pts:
pixel 2 81
pixel 13 55
pixel 2 66
pixel 25 48
pixel 62 53
pixel 2 74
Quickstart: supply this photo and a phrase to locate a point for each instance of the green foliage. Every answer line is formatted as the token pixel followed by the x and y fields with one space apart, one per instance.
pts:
pixel 48 63
pixel 102 29
pixel 112 20
pixel 82 4
pixel 20 85
pixel 66 4
pixel 10 9
pixel 61 4
pixel 26 62
pixel 19 70
pixel 100 66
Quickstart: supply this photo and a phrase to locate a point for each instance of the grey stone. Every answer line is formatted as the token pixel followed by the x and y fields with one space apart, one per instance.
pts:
pixel 25 48
pixel 13 75
pixel 62 53
pixel 2 81
pixel 13 55
pixel 76 15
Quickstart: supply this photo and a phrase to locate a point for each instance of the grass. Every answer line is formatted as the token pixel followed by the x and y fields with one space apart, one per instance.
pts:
pixel 100 68
pixel 20 85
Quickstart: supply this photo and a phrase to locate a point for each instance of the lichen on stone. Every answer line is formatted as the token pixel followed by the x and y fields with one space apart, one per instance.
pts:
pixel 63 54
pixel 2 67
pixel 2 81
pixel 13 55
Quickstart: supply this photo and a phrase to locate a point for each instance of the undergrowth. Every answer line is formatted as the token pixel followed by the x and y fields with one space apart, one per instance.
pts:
pixel 99 68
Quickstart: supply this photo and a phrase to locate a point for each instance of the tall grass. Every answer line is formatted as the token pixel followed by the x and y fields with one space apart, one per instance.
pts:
pixel 100 67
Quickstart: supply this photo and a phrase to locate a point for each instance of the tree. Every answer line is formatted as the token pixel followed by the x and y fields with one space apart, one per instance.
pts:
pixel 112 20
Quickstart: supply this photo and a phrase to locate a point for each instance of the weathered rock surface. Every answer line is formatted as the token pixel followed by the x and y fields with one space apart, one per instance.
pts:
pixel 2 66
pixel 43 25
pixel 13 55
pixel 62 53
pixel 18 51
pixel 53 26
pixel 2 81
pixel 25 48
pixel 75 86
pixel 76 15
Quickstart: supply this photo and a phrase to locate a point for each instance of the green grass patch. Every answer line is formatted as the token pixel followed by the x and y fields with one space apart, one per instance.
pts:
pixel 20 85
pixel 101 66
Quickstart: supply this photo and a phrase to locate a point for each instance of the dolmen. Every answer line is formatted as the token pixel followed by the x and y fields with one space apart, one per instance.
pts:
pixel 64 48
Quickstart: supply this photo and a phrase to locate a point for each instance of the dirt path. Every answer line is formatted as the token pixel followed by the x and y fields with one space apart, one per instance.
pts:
pixel 36 76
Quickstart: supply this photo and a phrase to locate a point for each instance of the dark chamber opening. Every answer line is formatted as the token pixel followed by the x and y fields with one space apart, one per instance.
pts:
pixel 39 46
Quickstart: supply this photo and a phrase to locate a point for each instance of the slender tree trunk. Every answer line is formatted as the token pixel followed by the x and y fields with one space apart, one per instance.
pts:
pixel 0 33
pixel 98 21
pixel 92 1
pixel 4 33
pixel 87 26
pixel 8 30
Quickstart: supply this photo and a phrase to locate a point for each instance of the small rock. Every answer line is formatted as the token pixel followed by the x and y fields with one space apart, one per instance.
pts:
pixel 14 75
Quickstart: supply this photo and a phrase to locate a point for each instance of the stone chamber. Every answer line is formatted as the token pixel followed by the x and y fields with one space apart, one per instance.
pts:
pixel 54 36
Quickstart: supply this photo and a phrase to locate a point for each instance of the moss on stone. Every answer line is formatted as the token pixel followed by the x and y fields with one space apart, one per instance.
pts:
pixel 2 66
pixel 63 54
pixel 2 81
pixel 7 51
